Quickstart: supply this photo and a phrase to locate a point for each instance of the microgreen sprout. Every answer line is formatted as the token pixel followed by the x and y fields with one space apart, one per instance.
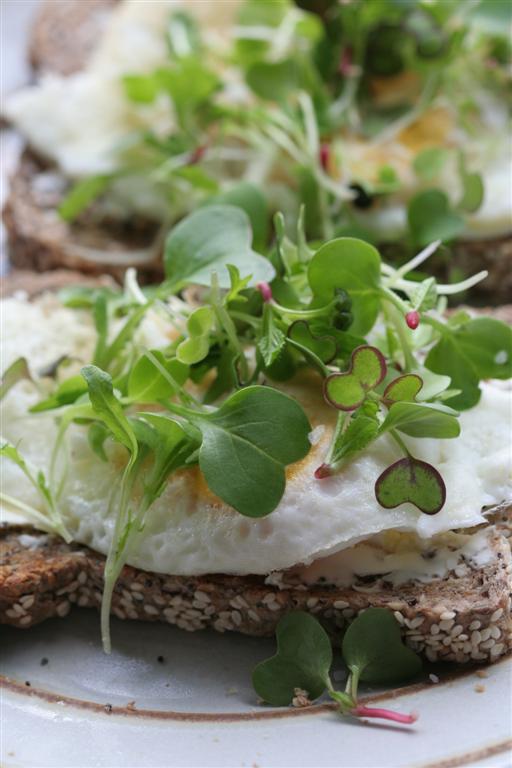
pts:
pixel 372 650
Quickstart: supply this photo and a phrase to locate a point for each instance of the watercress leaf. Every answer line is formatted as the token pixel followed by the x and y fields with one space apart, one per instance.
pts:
pixel 373 647
pixel 189 83
pixel 183 35
pixel 247 443
pixel 405 387
pixel 17 371
pixel 147 384
pixel 431 218
pixel 125 334
pixel 353 265
pixel 66 393
pixel 96 435
pixel 108 407
pixel 429 163
pixel 303 660
pixel 250 199
pixel 100 317
pixel 324 347
pixel 347 391
pixel 411 481
pixel 422 420
pixel 207 241
pixel 472 187
pixel 81 195
pixel 272 338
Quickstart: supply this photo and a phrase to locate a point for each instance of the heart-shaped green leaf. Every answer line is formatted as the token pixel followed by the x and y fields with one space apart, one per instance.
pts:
pixel 324 347
pixel 411 481
pixel 373 649
pixel 16 372
pixel 303 660
pixel 347 391
pixel 404 388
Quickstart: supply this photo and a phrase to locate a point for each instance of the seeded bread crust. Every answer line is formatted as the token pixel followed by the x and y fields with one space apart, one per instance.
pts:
pixel 40 240
pixel 460 618
pixel 65 33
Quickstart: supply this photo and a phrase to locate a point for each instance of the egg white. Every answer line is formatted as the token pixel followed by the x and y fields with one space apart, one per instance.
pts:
pixel 190 531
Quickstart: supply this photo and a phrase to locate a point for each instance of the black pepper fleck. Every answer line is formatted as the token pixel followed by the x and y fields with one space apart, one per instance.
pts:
pixel 108 708
pixel 44 661
pixel 27 683
pixel 160 659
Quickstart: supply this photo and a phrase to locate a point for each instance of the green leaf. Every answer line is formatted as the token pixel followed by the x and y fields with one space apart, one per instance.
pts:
pixel 97 434
pixel 17 371
pixel 405 387
pixel 142 89
pixel 361 431
pixel 478 349
pixel 171 446
pixel 147 382
pixel 183 35
pixel 189 83
pixel 373 650
pixel 429 163
pixel 431 218
pixel 347 391
pixel 248 443
pixel 411 481
pixel 324 347
pixel 473 192
pixel 250 199
pixel 207 241
pixel 108 407
pixel 272 338
pixel 196 347
pixel 354 266
pixel 66 393
pixel 424 295
pixel 422 420
pixel 81 195
pixel 303 660
pixel 274 81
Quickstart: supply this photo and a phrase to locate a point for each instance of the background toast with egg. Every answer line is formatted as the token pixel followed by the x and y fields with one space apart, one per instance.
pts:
pixel 94 243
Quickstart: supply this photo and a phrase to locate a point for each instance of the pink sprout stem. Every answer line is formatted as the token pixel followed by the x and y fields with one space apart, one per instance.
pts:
pixel 266 291
pixel 323 471
pixel 384 714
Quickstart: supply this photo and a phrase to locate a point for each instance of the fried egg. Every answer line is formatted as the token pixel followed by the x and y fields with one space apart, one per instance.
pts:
pixel 189 531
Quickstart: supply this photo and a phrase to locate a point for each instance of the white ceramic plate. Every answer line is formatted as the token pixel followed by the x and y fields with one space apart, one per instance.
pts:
pixel 197 707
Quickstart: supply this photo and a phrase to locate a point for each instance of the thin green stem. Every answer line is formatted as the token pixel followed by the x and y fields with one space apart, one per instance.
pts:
pixel 398 440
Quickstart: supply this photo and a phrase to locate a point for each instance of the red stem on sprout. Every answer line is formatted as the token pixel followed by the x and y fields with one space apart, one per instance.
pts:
pixel 266 291
pixel 325 155
pixel 197 154
pixel 384 714
pixel 323 471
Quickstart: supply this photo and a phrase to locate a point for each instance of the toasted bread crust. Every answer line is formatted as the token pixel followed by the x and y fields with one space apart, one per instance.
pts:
pixel 40 240
pixel 460 618
pixel 65 33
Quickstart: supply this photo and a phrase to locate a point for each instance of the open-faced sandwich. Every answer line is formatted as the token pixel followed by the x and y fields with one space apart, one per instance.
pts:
pixel 257 435
pixel 391 120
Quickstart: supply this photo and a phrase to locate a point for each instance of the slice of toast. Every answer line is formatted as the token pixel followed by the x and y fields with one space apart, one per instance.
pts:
pixel 94 244
pixel 65 33
pixel 63 38
pixel 462 618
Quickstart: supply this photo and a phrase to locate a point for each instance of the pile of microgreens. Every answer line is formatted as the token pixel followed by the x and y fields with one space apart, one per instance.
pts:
pixel 308 82
pixel 384 356
pixel 372 650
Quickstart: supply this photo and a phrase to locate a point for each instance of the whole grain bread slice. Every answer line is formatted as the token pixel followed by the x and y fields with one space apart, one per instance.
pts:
pixel 462 618
pixel 95 244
